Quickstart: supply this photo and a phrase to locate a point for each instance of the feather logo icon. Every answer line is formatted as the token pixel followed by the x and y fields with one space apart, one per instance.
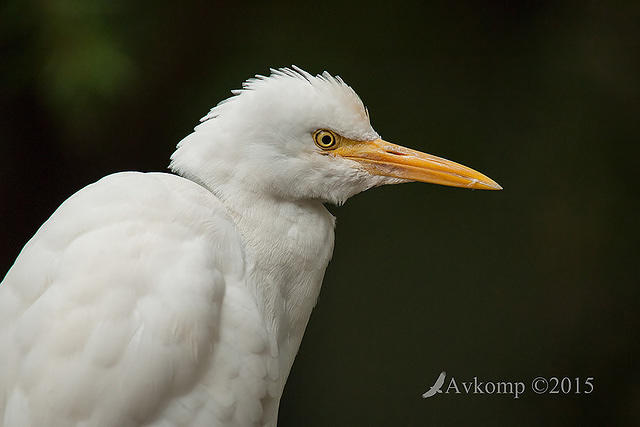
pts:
pixel 435 388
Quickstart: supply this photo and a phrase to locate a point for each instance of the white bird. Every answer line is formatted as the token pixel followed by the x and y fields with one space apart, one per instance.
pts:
pixel 153 299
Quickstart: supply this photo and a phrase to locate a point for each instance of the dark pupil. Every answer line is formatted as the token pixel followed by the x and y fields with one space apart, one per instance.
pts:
pixel 326 140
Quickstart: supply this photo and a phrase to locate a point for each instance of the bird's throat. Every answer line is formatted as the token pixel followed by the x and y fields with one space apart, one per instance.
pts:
pixel 288 246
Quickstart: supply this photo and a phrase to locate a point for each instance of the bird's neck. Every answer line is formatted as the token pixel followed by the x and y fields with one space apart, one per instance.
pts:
pixel 288 246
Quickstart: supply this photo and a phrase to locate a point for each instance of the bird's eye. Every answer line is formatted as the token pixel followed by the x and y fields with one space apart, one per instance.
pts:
pixel 325 139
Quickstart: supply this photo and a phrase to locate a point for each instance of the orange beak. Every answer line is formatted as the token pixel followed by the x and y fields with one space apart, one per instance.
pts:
pixel 384 158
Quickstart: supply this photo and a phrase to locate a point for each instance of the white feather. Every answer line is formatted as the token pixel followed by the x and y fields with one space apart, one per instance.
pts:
pixel 153 299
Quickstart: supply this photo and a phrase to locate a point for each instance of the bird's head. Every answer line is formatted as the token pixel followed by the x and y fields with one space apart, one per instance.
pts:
pixel 296 136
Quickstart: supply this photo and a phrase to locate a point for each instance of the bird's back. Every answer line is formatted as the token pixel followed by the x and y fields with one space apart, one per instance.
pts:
pixel 112 313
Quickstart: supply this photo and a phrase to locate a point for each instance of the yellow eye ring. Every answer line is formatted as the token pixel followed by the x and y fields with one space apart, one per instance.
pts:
pixel 325 139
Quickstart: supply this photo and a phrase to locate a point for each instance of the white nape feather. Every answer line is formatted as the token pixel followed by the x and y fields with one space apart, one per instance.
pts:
pixel 155 300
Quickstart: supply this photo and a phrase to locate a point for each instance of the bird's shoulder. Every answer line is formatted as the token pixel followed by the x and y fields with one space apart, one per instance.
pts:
pixel 124 220
pixel 114 308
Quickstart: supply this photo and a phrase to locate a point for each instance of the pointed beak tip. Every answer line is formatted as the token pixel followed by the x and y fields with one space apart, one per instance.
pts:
pixel 496 186
pixel 484 183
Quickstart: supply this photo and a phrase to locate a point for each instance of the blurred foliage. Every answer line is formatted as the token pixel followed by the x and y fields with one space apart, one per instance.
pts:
pixel 74 57
pixel 540 279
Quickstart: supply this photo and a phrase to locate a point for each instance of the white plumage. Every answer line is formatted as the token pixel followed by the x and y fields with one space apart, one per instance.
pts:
pixel 151 299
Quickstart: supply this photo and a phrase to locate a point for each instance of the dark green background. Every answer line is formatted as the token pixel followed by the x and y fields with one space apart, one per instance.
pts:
pixel 544 97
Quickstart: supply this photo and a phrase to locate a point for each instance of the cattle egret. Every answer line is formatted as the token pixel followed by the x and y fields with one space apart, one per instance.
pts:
pixel 154 299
